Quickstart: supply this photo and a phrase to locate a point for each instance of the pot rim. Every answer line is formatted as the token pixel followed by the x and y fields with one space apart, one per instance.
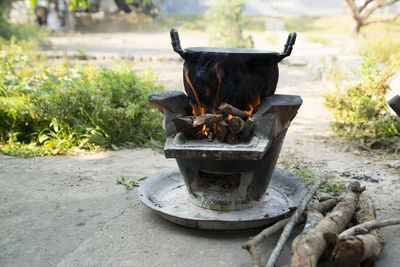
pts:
pixel 223 50
pixel 176 45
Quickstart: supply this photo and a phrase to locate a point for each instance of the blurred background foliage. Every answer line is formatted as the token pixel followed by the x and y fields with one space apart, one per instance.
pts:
pixel 65 109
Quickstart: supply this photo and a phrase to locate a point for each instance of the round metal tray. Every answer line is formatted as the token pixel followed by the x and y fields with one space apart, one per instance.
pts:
pixel 165 192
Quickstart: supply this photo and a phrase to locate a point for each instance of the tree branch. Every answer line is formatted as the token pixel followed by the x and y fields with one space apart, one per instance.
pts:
pixel 379 4
pixel 251 244
pixel 293 220
pixel 382 20
pixel 368 226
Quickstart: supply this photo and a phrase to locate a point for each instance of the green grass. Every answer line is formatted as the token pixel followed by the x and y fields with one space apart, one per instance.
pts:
pixel 298 167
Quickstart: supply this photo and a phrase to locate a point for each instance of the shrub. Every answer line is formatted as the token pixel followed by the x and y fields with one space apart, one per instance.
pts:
pixel 380 49
pixel 225 24
pixel 63 108
pixel 360 110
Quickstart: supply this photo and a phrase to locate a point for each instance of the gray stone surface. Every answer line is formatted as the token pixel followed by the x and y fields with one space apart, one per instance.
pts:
pixel 69 211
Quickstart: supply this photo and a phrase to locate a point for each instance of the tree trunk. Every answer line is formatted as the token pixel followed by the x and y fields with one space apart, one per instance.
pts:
pixel 357 27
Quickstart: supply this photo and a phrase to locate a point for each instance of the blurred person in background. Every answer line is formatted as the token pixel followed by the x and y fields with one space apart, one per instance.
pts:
pixel 53 18
pixel 41 9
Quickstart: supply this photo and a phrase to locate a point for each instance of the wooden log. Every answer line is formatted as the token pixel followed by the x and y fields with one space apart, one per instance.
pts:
pixel 185 125
pixel 236 125
pixel 293 220
pixel 362 249
pixel 207 119
pixel 222 129
pixel 229 109
pixel 308 248
pixel 250 245
pixel 231 139
pixel 368 226
pixel 247 132
pixel 394 103
pixel 325 205
pixel 192 125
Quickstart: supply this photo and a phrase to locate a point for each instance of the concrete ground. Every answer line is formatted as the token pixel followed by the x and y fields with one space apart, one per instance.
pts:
pixel 69 211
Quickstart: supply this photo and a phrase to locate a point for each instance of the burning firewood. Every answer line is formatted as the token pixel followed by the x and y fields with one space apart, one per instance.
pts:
pixel 207 120
pixel 222 130
pixel 185 125
pixel 229 109
pixel 234 127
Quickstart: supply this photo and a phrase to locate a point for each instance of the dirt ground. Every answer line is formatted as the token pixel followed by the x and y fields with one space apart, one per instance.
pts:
pixel 69 210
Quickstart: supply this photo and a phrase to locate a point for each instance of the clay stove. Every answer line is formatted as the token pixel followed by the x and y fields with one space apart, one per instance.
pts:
pixel 225 176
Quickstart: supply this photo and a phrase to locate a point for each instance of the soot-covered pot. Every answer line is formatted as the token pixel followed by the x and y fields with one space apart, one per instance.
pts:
pixel 238 76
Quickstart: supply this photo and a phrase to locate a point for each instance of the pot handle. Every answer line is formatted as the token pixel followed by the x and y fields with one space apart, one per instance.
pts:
pixel 176 43
pixel 289 45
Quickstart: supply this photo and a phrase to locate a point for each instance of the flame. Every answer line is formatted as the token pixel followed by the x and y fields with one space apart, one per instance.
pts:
pixel 218 71
pixel 206 131
pixel 198 108
pixel 254 103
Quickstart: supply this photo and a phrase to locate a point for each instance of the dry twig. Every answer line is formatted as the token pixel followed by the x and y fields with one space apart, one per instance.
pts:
pixel 292 222
pixel 368 226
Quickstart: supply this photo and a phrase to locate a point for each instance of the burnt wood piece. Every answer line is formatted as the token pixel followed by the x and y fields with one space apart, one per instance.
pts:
pixel 172 104
pixel 207 119
pixel 222 130
pixel 274 114
pixel 394 103
pixel 248 129
pixel 229 109
pixel 185 125
pixel 236 125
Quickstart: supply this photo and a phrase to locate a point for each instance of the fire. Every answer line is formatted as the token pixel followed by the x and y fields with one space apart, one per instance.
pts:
pixel 253 104
pixel 198 109
pixel 218 71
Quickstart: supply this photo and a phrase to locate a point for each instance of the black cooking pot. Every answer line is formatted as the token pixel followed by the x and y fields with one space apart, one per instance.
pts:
pixel 238 76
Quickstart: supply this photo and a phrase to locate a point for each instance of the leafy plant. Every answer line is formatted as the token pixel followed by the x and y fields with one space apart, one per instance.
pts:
pixel 67 109
pixel 360 110
pixel 309 178
pixel 225 24
pixel 131 183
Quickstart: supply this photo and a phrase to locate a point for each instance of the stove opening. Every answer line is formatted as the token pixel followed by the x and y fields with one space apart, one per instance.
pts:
pixel 219 182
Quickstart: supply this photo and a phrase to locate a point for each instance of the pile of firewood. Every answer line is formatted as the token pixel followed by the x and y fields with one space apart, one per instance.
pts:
pixel 324 237
pixel 230 126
